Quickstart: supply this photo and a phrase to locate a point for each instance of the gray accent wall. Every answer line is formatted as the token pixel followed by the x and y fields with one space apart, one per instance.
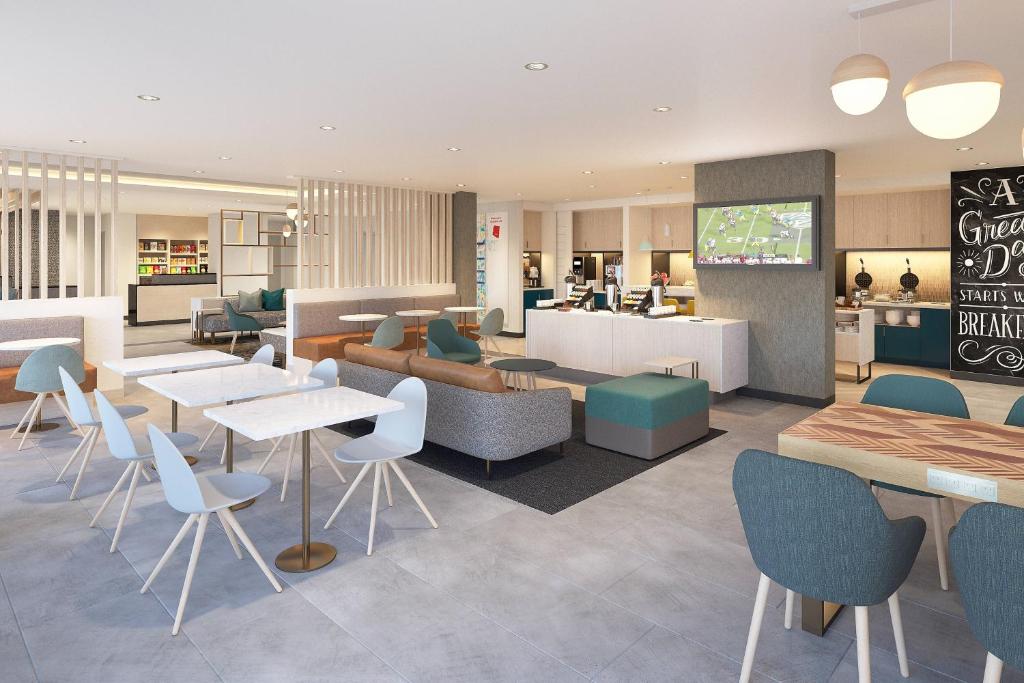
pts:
pixel 791 313
pixel 464 246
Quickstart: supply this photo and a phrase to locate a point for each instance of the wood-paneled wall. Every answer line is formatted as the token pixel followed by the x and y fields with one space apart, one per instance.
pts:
pixel 597 230
pixel 893 220
pixel 358 235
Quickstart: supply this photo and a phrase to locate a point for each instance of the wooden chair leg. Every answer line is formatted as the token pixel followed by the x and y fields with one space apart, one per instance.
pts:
pixel 348 494
pixel 93 438
pixel 897 631
pixel 75 454
pixel 412 492
pixel 938 530
pixel 387 485
pixel 230 533
pixel 266 461
pixel 247 542
pixel 373 506
pixel 170 551
pixel 136 473
pixel 993 669
pixel 113 492
pixel 36 410
pixel 190 572
pixel 209 435
pixel 755 628
pixel 860 614
pixel 327 456
pixel 25 417
pixel 790 596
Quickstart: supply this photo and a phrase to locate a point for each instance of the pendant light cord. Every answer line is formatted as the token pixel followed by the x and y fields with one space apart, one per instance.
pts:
pixel 860 47
pixel 951 30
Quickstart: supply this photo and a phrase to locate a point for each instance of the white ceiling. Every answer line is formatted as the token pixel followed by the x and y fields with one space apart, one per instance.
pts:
pixel 404 80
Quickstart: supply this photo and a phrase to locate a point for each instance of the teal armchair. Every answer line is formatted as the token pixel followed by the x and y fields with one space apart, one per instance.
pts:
pixel 239 322
pixel 444 342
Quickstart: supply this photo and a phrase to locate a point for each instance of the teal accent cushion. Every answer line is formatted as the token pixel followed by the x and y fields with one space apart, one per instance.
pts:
pixel 250 301
pixel 647 401
pixel 273 300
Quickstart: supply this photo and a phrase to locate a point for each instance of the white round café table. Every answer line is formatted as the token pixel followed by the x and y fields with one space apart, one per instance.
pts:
pixel 464 311
pixel 417 313
pixel 34 345
pixel 362 319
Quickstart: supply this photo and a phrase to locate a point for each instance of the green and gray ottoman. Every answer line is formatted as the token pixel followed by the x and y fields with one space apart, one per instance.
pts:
pixel 646 415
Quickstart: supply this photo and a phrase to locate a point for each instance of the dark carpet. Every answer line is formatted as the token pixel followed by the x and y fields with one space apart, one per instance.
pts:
pixel 544 480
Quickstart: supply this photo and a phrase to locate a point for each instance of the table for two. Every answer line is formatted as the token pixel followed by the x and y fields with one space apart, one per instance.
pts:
pixel 964 459
pixel 34 345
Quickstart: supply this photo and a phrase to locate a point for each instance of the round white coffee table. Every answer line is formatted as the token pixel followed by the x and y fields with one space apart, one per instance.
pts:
pixel 362 319
pixel 417 313
pixel 463 312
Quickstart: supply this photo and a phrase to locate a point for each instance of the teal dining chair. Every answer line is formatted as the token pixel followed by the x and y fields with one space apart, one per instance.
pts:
pixel 1015 418
pixel 925 395
pixel 445 342
pixel 817 531
pixel 987 551
pixel 239 322
pixel 490 327
pixel 390 334
pixel 39 374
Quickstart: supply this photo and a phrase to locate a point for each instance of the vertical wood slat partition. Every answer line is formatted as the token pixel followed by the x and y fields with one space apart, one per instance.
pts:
pixel 358 235
pixel 25 222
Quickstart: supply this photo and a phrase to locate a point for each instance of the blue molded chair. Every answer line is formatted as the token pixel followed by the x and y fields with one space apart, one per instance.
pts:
pixel 390 334
pixel 327 372
pixel 39 375
pixel 987 551
pixel 1015 418
pixel 490 327
pixel 925 395
pixel 239 322
pixel 198 497
pixel 817 530
pixel 444 342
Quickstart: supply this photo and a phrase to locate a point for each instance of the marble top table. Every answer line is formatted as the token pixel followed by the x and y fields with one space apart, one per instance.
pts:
pixel 37 343
pixel 362 319
pixel 282 415
pixel 670 363
pixel 201 388
pixel 417 313
pixel 463 312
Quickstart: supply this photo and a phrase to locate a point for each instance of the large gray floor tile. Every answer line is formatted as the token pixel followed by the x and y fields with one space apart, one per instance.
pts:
pixel 16 663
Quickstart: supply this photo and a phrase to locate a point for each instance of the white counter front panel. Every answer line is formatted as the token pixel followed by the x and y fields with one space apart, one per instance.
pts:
pixel 621 344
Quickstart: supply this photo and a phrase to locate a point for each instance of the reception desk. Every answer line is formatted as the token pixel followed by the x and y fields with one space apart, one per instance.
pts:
pixel 169 298
pixel 620 344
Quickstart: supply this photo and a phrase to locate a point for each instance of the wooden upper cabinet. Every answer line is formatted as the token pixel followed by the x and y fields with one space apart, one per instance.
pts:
pixel 597 230
pixel 679 218
pixel 531 231
pixel 935 218
pixel 904 219
pixel 871 221
pixel 844 222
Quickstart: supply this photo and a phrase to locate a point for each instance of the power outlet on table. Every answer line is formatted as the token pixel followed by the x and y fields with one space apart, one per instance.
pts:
pixel 962 485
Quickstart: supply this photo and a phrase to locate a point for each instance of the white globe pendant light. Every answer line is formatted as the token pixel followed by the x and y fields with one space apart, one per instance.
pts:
pixel 953 99
pixel 292 210
pixel 859 83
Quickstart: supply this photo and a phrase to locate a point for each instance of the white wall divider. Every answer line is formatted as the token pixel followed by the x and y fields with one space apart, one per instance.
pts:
pixel 5 229
pixel 300 203
pixel 44 227
pixel 62 252
pixel 80 230
pixel 112 269
pixel 104 328
pixel 26 230
pixel 97 231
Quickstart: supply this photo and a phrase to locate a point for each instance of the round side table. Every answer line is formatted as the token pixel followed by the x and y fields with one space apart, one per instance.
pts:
pixel 517 367
pixel 362 319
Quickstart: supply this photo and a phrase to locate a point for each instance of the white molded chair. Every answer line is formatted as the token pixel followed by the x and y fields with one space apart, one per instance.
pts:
pixel 83 416
pixel 327 372
pixel 395 436
pixel 265 356
pixel 123 447
pixel 198 497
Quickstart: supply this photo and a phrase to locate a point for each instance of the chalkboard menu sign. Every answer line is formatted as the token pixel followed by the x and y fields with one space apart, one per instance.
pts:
pixel 987 269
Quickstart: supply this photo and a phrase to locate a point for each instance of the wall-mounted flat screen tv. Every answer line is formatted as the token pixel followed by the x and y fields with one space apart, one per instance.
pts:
pixel 781 233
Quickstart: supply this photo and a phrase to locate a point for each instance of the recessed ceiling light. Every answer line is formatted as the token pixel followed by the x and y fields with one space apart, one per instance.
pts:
pixel 662 110
pixel 454 149
pixel 535 66
pixel 338 170
pixel 406 178
pixel 964 149
pixel 77 142
pixel 224 157
pixel 638 193
pixel 664 163
pixel 519 194
pixel 982 163
pixel 588 173
pixel 148 98
pixel 238 200
pixel 199 172
pixel 327 128
pixel 461 185
pixel 567 199
pixel 683 177
pixel 592 186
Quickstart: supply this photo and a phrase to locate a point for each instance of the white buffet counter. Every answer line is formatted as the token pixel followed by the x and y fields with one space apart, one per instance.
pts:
pixel 619 344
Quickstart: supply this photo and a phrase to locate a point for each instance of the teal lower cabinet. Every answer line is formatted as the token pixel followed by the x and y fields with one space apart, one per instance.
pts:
pixel 927 345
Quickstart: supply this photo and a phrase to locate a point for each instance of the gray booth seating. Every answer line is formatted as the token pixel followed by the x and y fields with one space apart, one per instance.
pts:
pixel 35 328
pixel 218 322
pixel 489 422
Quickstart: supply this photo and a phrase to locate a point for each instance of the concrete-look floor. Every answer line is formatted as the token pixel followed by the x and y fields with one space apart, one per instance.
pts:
pixel 650 580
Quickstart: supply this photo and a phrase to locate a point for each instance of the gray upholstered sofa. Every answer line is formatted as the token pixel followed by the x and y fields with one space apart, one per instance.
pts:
pixel 32 328
pixel 212 323
pixel 488 422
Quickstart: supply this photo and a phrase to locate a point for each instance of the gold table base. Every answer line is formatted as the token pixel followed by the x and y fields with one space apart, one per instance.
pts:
pixel 244 504
pixel 291 559
pixel 39 427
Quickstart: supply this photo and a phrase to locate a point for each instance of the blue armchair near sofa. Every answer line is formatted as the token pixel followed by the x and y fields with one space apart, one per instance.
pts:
pixel 444 342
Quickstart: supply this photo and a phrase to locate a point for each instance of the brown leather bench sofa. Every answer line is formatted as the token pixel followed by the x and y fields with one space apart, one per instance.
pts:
pixel 469 409
pixel 32 328
pixel 319 334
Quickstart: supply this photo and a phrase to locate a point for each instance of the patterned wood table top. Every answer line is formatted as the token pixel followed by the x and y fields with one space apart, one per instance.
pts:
pixel 900 446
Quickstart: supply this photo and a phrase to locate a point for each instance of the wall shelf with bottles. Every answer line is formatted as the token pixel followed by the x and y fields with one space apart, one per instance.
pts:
pixel 172 257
